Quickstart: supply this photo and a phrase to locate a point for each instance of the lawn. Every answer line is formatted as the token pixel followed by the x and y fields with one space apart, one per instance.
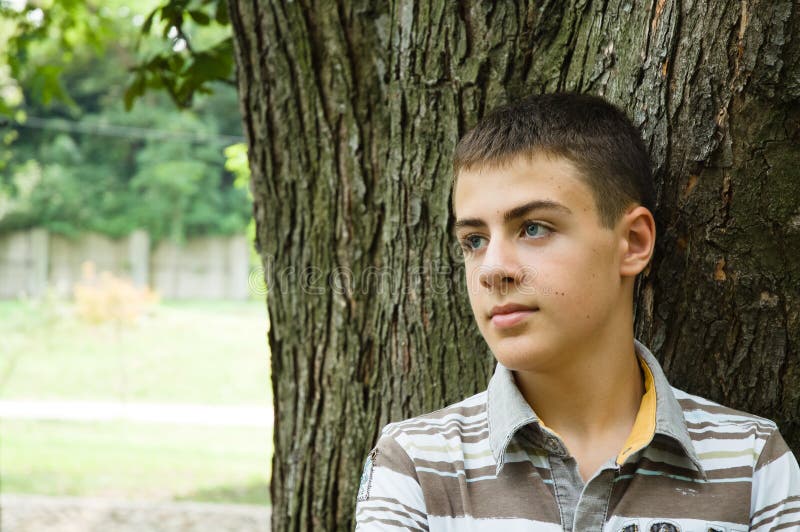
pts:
pixel 190 352
pixel 181 352
pixel 132 460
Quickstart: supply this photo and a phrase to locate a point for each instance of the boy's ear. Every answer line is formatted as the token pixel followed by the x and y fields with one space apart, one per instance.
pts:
pixel 638 240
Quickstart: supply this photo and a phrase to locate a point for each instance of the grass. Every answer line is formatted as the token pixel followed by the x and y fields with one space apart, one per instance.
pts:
pixel 183 352
pixel 132 460
pixel 195 352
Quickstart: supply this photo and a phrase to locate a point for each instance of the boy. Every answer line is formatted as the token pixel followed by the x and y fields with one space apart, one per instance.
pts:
pixel 579 428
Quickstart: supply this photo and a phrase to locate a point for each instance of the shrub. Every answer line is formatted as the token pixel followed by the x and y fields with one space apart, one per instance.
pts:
pixel 107 298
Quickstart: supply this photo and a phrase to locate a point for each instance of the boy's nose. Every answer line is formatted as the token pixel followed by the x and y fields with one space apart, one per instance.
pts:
pixel 501 266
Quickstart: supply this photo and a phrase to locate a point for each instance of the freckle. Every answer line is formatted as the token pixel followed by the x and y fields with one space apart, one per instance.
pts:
pixel 587 316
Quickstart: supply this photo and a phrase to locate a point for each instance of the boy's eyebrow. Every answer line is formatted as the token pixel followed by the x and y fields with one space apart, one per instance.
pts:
pixel 516 212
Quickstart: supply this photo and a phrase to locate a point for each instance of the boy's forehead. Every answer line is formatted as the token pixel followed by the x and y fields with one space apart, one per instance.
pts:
pixel 544 181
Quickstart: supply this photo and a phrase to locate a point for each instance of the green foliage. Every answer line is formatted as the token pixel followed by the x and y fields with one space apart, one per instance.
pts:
pixel 183 70
pixel 238 164
pixel 42 38
pixel 74 167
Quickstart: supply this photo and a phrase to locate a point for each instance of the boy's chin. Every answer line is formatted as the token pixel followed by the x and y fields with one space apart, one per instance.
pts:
pixel 518 355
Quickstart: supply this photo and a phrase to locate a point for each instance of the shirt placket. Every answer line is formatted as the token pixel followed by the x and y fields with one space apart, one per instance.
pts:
pixel 582 507
pixel 590 513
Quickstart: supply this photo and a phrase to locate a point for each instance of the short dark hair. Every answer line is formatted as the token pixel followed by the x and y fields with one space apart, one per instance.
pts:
pixel 597 137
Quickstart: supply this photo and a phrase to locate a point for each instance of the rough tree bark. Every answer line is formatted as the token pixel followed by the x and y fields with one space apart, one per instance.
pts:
pixel 352 110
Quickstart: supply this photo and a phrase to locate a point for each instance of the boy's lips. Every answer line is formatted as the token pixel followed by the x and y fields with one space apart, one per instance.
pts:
pixel 510 308
pixel 510 315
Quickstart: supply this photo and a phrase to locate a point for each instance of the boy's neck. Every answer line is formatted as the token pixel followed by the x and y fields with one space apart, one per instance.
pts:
pixel 592 402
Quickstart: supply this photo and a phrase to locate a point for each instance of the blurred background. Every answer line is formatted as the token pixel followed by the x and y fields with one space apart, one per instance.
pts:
pixel 134 365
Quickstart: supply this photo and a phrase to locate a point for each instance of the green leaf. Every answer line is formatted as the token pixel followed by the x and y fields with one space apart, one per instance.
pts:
pixel 221 16
pixel 148 22
pixel 134 90
pixel 208 66
pixel 199 17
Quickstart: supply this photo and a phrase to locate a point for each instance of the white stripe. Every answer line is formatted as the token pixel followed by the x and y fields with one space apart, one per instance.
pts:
pixel 773 483
pixel 471 524
pixel 389 510
pixel 743 429
pixel 725 421
pixel 450 418
pixel 417 423
pixel 393 485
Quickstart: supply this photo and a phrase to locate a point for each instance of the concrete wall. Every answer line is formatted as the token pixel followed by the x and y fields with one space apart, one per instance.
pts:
pixel 23 263
pixel 203 268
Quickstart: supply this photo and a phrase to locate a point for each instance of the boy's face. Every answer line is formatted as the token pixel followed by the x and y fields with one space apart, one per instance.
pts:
pixel 556 261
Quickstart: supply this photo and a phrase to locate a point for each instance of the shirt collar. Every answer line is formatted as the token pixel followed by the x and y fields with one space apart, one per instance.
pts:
pixel 508 411
pixel 669 413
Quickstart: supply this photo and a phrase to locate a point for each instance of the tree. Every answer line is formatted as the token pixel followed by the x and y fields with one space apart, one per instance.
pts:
pixel 352 110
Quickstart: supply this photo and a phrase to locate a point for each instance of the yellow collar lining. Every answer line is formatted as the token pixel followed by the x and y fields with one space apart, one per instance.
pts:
pixel 644 427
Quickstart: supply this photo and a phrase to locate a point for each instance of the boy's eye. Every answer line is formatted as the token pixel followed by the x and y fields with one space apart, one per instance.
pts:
pixel 530 229
pixel 472 242
pixel 533 229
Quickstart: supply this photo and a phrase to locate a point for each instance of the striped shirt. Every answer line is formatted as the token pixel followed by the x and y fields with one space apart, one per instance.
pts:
pixel 488 463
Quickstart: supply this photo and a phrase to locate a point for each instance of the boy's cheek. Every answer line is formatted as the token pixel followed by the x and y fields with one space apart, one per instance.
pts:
pixel 473 280
pixel 478 314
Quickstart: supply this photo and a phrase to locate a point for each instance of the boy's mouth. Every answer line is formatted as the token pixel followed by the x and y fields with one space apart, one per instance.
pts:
pixel 510 315
pixel 510 308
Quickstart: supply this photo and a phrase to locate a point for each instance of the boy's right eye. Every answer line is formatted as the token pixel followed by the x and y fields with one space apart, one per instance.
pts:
pixel 471 242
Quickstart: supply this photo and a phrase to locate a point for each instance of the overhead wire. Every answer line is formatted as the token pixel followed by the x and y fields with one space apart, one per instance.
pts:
pixel 112 130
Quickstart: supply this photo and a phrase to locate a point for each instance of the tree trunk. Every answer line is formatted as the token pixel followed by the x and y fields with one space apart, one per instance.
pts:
pixel 352 110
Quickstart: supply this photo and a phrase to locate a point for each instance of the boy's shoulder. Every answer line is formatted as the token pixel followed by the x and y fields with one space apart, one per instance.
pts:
pixel 464 421
pixel 725 438
pixel 701 413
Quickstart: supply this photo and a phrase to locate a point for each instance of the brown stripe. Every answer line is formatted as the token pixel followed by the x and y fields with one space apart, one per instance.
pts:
pixel 471 425
pixel 710 434
pixel 426 424
pixel 676 499
pixel 773 517
pixel 667 468
pixel 675 469
pixel 457 466
pixel 391 455
pixel 434 430
pixel 408 509
pixel 629 469
pixel 517 493
pixel 793 524
pixel 729 472
pixel 762 429
pixel 466 411
pixel 475 423
pixel 775 505
pixel 455 434
pixel 774 448
pixel 618 490
pixel 432 427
